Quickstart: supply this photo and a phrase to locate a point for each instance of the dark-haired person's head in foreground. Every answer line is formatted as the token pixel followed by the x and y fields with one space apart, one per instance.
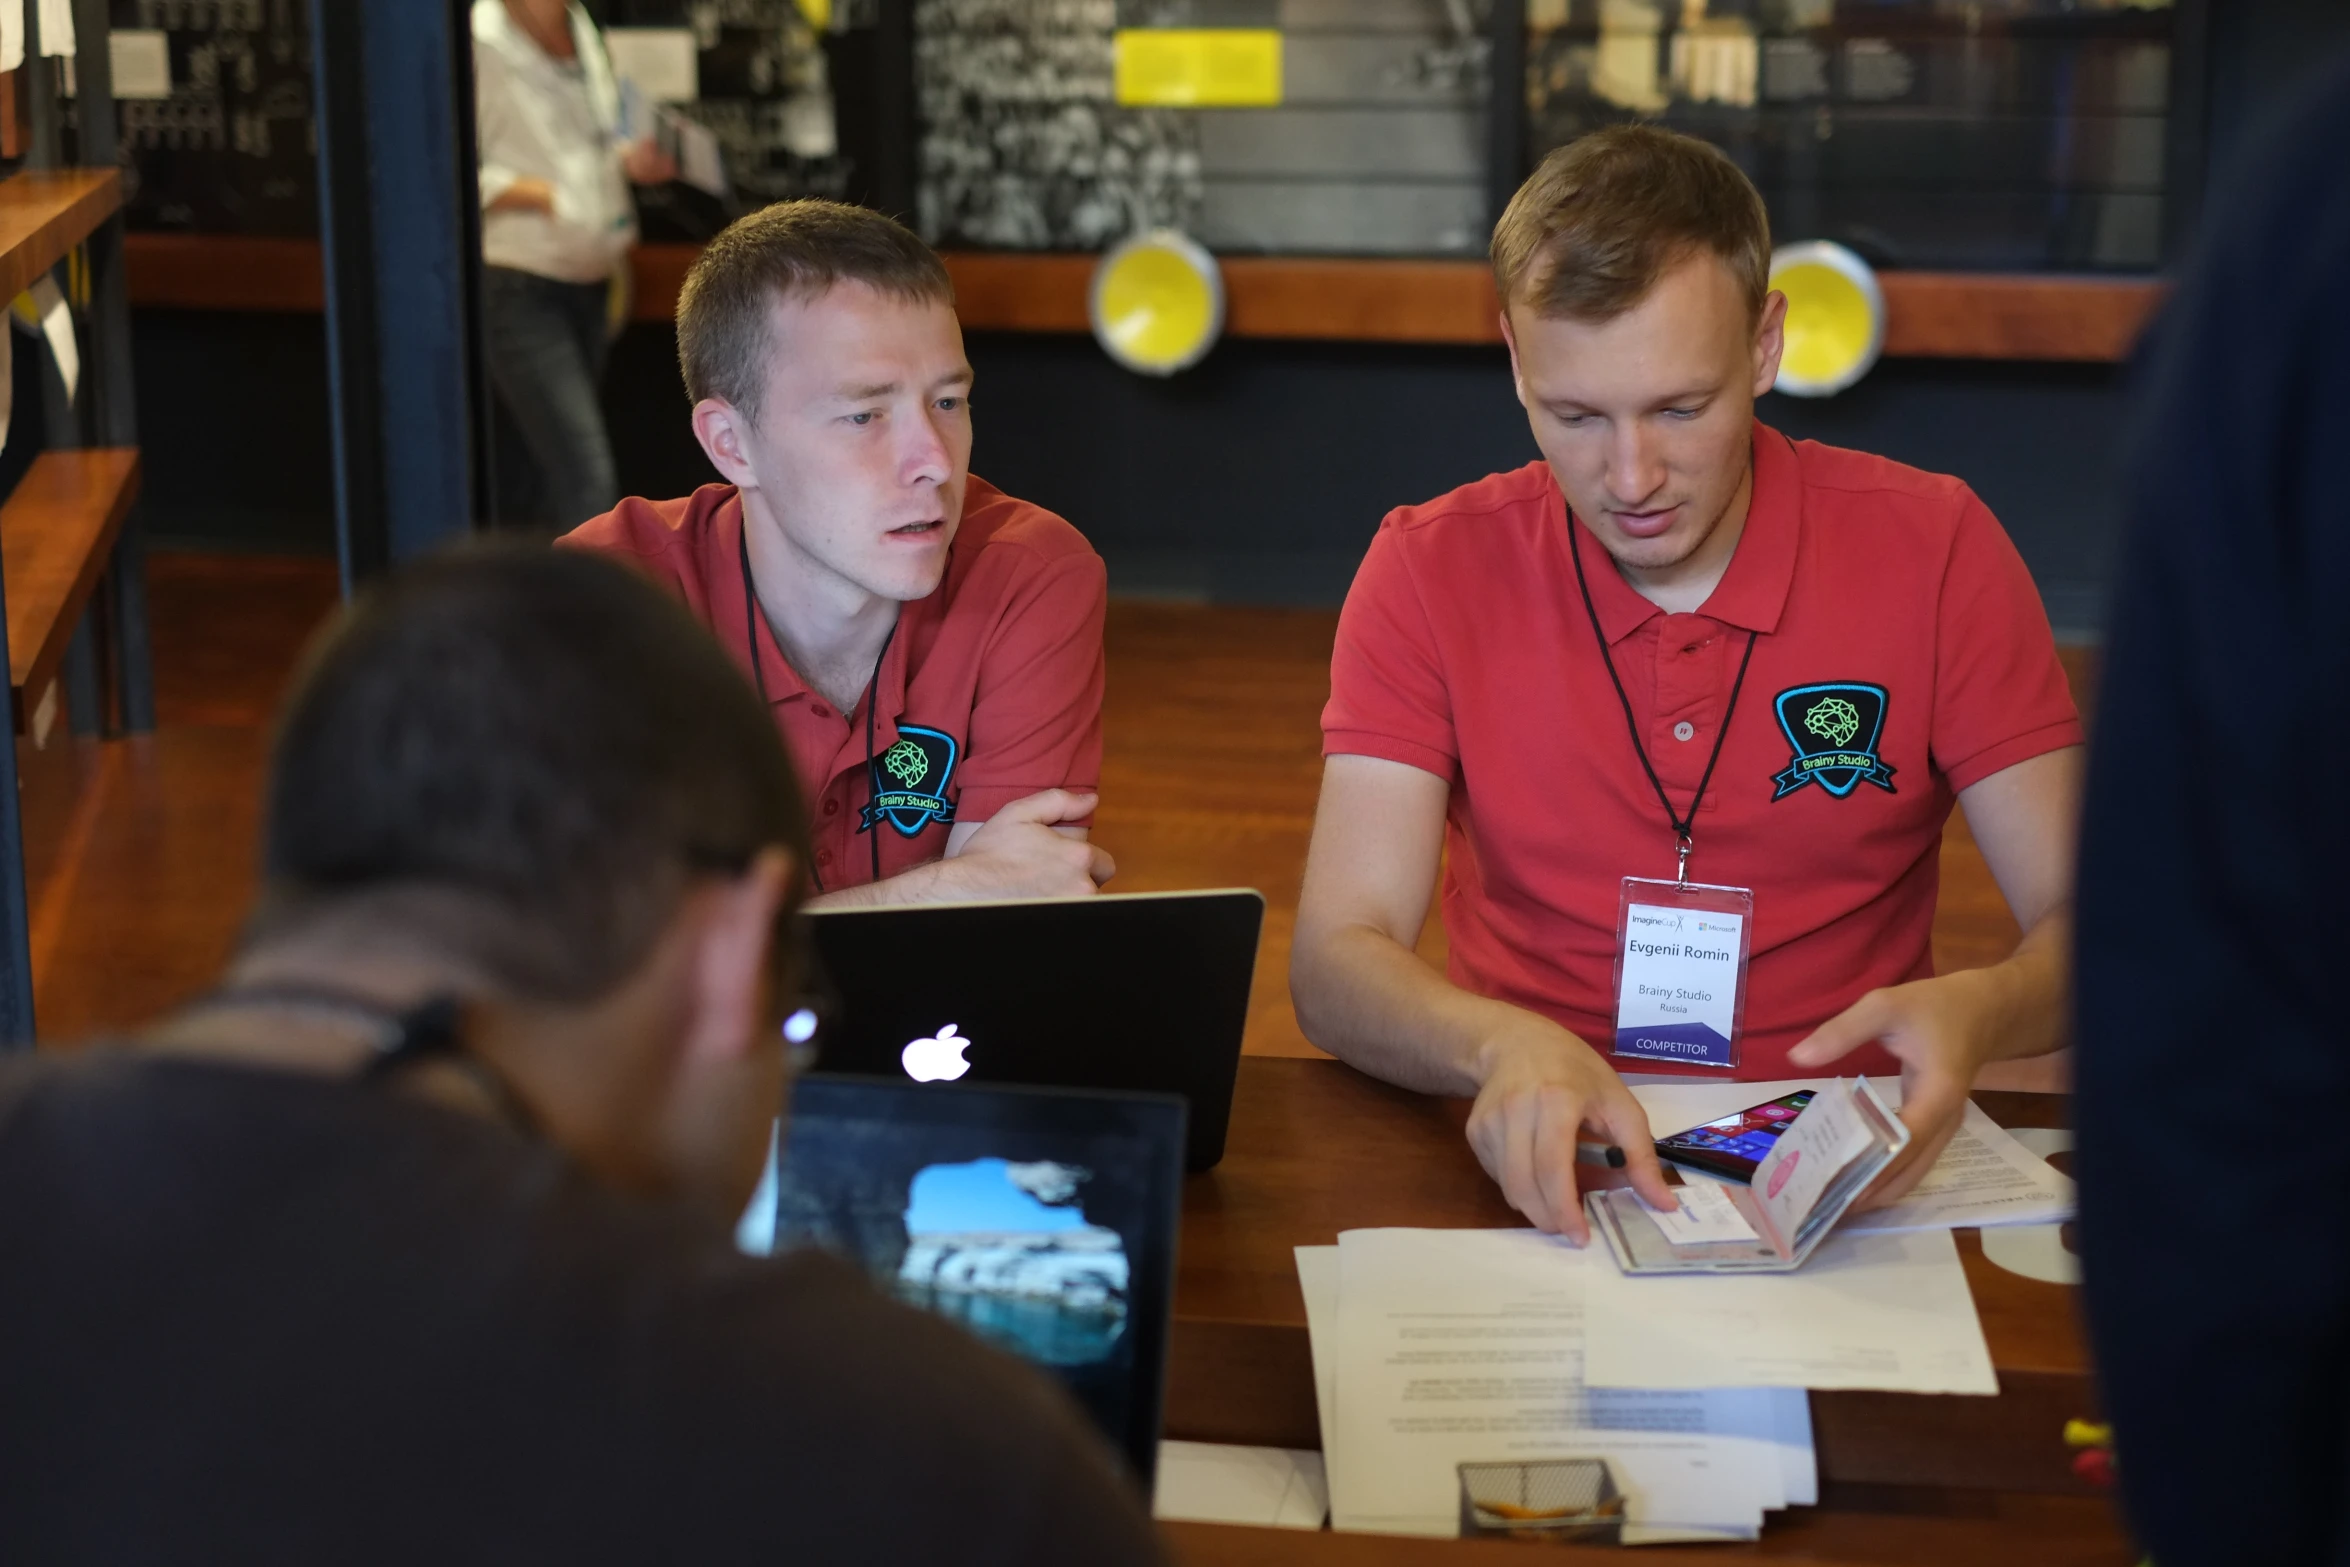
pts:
pixel 413 1237
pixel 930 647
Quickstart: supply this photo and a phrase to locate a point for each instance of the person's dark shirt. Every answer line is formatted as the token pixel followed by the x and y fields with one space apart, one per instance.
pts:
pixel 2214 916
pixel 256 1316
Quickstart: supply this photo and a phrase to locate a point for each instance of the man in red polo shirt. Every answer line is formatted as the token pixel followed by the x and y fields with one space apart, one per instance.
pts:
pixel 1680 641
pixel 930 646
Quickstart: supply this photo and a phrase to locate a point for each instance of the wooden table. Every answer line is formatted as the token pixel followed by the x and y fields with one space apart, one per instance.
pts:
pixel 1317 1148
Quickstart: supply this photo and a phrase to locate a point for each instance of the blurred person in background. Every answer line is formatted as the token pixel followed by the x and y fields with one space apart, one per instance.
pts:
pixel 557 223
pixel 2215 891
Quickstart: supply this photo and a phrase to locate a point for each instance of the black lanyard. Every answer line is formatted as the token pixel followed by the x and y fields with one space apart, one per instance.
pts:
pixel 1683 826
pixel 759 677
pixel 429 1031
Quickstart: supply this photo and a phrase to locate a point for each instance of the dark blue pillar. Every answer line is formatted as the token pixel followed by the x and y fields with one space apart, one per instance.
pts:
pixel 400 217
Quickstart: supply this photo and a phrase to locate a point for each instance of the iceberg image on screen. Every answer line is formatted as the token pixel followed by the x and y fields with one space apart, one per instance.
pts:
pixel 1005 1249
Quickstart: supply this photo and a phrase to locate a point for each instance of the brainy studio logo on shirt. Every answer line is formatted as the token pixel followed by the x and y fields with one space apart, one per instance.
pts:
pixel 910 780
pixel 1834 728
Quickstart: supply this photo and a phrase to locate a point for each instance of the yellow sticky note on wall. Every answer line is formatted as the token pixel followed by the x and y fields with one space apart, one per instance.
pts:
pixel 1198 67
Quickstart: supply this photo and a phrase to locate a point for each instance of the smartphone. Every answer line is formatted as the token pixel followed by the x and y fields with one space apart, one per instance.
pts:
pixel 1736 1145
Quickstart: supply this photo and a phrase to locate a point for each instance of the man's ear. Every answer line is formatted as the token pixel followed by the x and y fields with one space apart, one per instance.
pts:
pixel 1517 376
pixel 1770 341
pixel 724 433
pixel 735 925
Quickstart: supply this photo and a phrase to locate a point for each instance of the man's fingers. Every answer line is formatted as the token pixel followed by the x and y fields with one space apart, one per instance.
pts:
pixel 1515 1154
pixel 1558 1116
pixel 1627 1125
pixel 1102 867
pixel 1050 807
pixel 1864 1020
pixel 1932 1110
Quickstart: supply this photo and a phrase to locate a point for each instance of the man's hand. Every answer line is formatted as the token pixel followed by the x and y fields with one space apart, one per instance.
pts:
pixel 646 164
pixel 1542 1089
pixel 527 194
pixel 1940 1031
pixel 1024 852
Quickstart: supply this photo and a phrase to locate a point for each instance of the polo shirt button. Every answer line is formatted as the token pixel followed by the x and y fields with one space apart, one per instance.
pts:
pixel 820 710
pixel 824 856
pixel 1684 730
pixel 832 807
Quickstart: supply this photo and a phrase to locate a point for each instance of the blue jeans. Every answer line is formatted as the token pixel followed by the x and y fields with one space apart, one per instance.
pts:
pixel 544 344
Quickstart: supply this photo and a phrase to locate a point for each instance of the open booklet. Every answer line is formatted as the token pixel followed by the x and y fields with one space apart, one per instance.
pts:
pixel 1819 1166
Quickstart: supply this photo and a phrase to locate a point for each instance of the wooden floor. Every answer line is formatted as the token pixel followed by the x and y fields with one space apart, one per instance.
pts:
pixel 141 852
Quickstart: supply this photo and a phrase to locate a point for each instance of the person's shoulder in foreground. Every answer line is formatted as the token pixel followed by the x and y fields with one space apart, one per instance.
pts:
pixel 411 1238
pixel 303 1320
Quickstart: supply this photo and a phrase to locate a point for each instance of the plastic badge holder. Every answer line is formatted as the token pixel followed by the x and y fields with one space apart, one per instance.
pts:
pixel 1688 1027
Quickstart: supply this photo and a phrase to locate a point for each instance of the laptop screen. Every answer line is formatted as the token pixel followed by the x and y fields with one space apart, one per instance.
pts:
pixel 1042 1220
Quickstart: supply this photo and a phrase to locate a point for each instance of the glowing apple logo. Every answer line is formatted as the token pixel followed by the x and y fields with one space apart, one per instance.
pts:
pixel 938 1059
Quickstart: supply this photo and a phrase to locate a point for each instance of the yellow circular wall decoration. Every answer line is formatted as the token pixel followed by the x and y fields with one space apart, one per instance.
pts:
pixel 1835 317
pixel 1158 303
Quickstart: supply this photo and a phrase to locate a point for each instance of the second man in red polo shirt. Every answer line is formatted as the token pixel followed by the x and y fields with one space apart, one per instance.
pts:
pixel 930 646
pixel 1679 643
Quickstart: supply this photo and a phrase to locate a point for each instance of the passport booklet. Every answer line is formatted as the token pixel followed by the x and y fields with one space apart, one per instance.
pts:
pixel 1820 1165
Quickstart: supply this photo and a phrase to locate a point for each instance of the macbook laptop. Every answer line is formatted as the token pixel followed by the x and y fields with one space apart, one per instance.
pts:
pixel 1043 1220
pixel 1145 992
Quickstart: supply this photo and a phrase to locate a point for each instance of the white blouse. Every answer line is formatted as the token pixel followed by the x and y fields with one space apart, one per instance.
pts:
pixel 558 120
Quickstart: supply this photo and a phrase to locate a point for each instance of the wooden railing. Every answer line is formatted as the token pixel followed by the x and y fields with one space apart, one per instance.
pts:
pixel 1931 315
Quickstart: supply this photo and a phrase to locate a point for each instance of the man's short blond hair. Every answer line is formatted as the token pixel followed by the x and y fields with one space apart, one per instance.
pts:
pixel 1588 235
pixel 791 250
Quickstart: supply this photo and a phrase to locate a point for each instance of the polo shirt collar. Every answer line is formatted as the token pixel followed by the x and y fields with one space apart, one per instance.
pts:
pixel 783 682
pixel 1753 592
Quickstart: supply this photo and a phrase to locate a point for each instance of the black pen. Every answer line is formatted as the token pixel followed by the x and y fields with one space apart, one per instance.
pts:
pixel 1600 1153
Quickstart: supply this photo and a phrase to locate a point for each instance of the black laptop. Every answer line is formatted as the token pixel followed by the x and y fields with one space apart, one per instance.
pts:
pixel 1043 1220
pixel 1145 992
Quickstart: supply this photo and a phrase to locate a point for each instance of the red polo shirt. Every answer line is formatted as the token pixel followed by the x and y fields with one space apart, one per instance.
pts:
pixel 1465 650
pixel 996 677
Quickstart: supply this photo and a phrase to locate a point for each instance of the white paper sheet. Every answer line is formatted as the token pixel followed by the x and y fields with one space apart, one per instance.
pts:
pixel 57 328
pixel 662 61
pixel 699 160
pixel 1983 1177
pixel 1270 1487
pixel 142 62
pixel 1456 1346
pixel 1889 1312
pixel 1317 1280
pixel 57 28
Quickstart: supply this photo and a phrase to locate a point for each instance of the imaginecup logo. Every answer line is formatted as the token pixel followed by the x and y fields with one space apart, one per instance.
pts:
pixel 937 1059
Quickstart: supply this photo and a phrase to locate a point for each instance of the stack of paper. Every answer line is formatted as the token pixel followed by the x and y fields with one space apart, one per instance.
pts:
pixel 1891 1313
pixel 1435 1348
pixel 1270 1487
pixel 1983 1177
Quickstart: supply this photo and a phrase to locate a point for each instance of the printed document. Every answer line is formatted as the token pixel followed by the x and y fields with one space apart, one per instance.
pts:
pixel 1890 1312
pixel 1455 1346
pixel 1983 1177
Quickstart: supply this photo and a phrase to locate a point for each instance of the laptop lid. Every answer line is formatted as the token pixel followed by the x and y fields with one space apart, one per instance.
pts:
pixel 1144 992
pixel 1042 1220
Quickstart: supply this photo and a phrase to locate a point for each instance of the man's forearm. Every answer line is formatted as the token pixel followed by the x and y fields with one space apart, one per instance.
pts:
pixel 2025 1002
pixel 1369 1000
pixel 925 883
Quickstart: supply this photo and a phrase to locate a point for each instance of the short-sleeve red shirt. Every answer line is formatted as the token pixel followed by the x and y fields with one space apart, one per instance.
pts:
pixel 997 675
pixel 1465 650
